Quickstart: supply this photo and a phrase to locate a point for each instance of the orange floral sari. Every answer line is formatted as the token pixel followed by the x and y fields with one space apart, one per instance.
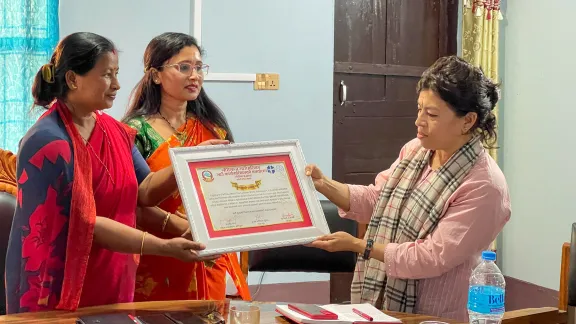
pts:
pixel 161 278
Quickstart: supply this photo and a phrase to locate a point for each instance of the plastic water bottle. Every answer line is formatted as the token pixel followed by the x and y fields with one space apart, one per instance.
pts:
pixel 486 292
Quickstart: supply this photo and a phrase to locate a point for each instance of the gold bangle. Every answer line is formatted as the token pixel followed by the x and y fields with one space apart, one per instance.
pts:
pixel 142 246
pixel 166 221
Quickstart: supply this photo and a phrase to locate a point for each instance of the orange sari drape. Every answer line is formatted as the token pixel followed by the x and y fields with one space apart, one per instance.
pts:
pixel 161 278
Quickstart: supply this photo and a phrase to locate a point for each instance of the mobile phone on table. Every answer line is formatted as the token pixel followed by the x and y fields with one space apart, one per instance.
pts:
pixel 154 319
pixel 105 318
pixel 313 311
pixel 184 318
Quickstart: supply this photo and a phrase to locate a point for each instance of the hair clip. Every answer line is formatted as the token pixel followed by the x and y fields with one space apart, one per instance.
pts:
pixel 48 72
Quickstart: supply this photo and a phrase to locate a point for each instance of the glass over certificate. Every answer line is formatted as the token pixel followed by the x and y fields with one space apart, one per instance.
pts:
pixel 248 196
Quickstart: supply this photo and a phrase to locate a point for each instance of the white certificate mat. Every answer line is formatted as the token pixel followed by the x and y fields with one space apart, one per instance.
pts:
pixel 249 196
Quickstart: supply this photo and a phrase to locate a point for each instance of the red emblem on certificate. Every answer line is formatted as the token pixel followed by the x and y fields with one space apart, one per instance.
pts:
pixel 207 176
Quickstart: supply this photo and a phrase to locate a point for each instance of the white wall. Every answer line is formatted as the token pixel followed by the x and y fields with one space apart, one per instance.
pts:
pixel 537 144
pixel 130 25
pixel 247 36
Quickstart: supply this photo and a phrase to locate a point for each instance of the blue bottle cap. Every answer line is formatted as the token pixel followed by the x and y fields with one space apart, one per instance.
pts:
pixel 488 255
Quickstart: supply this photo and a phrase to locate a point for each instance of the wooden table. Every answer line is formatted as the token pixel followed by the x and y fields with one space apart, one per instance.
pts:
pixel 267 312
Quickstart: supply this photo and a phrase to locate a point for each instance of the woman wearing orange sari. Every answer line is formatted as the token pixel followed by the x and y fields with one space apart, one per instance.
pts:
pixel 169 108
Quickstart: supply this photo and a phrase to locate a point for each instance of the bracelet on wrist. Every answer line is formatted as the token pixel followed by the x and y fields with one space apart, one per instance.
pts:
pixel 142 244
pixel 368 249
pixel 166 221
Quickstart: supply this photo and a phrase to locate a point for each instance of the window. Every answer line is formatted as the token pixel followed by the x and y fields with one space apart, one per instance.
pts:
pixel 28 34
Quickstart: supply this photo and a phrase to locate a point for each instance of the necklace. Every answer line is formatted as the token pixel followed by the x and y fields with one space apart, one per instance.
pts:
pixel 94 151
pixel 181 136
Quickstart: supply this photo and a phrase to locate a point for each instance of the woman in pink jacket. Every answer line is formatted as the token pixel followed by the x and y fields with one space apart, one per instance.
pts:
pixel 439 205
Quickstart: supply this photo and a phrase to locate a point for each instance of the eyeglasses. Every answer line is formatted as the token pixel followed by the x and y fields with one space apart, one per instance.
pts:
pixel 188 68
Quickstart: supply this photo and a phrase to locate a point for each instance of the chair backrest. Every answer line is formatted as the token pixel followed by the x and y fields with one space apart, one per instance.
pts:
pixel 564 276
pixel 567 291
pixel 7 208
pixel 306 259
pixel 8 189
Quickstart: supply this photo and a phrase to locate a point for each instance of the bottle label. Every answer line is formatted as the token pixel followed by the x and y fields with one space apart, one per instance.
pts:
pixel 486 299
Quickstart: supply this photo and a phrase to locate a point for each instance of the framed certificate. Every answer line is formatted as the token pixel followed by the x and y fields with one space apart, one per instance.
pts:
pixel 248 196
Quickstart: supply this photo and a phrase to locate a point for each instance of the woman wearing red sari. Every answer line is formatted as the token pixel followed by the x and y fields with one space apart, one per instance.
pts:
pixel 73 241
pixel 171 109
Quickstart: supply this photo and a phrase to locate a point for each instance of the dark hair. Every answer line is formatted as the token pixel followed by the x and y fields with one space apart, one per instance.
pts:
pixel 77 52
pixel 146 96
pixel 466 89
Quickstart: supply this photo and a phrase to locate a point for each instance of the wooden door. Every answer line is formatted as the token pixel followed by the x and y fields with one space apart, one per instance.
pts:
pixel 381 49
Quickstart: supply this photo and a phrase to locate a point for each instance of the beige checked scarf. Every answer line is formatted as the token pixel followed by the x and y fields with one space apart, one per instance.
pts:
pixel 407 211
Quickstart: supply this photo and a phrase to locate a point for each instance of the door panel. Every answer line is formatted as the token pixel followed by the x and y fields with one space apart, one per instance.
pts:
pixel 360 31
pixel 413 31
